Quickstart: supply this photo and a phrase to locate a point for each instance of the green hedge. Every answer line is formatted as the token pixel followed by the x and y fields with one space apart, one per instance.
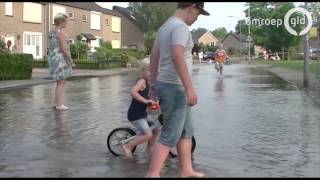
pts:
pixel 15 66
pixel 100 64
pixel 112 62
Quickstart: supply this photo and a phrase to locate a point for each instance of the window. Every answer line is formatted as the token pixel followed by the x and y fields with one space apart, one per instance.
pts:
pixel 33 40
pixel 107 22
pixel 95 21
pixel 27 40
pixel 212 43
pixel 37 40
pixel 70 15
pixel 37 51
pixel 9 10
pixel 116 24
pixel 32 12
pixel 84 18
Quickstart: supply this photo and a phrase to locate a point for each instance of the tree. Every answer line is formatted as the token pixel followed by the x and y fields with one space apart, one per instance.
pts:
pixel 199 29
pixel 2 46
pixel 314 8
pixel 79 49
pixel 151 15
pixel 149 41
pixel 244 27
pixel 270 36
pixel 220 32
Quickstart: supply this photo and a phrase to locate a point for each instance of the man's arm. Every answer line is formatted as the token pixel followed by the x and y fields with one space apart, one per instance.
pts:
pixel 182 70
pixel 181 66
pixel 154 62
pixel 179 40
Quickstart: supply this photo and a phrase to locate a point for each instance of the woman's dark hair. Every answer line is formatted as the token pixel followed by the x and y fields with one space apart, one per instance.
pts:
pixel 183 5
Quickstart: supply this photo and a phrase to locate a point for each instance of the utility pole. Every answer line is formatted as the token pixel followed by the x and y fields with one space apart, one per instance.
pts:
pixel 249 35
pixel 306 57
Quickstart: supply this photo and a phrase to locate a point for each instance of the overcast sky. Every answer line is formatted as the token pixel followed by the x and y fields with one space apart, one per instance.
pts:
pixel 219 14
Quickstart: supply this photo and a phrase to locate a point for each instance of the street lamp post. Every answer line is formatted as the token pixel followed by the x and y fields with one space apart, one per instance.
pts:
pixel 306 58
pixel 239 34
pixel 249 34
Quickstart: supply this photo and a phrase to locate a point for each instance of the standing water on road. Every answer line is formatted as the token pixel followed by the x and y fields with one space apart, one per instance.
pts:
pixel 249 123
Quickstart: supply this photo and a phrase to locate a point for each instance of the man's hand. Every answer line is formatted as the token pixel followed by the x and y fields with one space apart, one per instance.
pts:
pixel 153 93
pixel 192 97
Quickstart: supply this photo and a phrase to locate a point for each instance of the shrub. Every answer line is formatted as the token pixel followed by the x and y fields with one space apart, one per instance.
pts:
pixel 231 51
pixel 78 50
pixel 105 52
pixel 3 48
pixel 149 40
pixel 15 66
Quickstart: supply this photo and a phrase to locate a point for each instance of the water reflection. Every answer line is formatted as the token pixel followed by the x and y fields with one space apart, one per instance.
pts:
pixel 60 136
pixel 219 87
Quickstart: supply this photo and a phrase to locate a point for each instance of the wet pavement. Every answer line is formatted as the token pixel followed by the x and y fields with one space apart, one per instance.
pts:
pixel 249 123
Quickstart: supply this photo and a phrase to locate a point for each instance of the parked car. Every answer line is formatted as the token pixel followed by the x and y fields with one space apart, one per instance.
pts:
pixel 90 55
pixel 209 55
pixel 314 53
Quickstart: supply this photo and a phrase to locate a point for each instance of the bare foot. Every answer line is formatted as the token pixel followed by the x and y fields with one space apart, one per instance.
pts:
pixel 127 152
pixel 192 174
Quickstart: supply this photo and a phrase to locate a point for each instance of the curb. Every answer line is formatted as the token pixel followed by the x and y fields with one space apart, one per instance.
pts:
pixel 312 93
pixel 46 80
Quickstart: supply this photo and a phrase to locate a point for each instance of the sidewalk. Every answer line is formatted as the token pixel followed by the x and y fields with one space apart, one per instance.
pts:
pixel 41 76
pixel 296 77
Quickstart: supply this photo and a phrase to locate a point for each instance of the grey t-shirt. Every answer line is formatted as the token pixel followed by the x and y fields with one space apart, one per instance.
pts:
pixel 173 32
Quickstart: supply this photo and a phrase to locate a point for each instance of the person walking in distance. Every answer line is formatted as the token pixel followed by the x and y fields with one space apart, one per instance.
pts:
pixel 171 67
pixel 220 57
pixel 200 56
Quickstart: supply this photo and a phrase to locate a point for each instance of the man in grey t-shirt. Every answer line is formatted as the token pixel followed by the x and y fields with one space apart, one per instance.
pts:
pixel 171 66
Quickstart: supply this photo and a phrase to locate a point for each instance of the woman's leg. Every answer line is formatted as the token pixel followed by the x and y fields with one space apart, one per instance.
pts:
pixel 59 93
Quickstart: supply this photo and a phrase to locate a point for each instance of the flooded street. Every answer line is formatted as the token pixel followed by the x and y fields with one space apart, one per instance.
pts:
pixel 249 123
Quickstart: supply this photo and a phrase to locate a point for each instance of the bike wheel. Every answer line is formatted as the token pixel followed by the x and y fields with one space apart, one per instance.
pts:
pixel 115 137
pixel 174 153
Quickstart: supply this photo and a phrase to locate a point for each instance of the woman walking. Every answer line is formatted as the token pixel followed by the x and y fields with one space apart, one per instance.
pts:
pixel 59 58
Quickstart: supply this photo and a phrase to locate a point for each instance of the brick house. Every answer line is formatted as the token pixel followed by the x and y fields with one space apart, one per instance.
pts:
pixel 204 37
pixel 27 24
pixel 132 35
pixel 92 21
pixel 235 41
pixel 24 25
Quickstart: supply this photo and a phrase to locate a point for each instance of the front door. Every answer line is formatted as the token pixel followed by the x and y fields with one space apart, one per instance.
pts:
pixel 32 44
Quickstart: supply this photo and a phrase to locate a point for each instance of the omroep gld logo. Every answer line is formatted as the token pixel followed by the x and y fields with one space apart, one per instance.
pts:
pixel 296 21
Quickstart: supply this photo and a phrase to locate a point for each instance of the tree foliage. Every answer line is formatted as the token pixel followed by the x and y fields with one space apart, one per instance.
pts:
pixel 220 32
pixel 270 36
pixel 151 15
